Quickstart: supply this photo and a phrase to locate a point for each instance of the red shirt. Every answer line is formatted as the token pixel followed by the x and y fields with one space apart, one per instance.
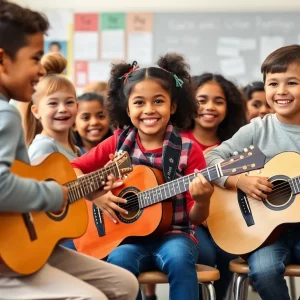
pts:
pixel 97 157
pixel 189 135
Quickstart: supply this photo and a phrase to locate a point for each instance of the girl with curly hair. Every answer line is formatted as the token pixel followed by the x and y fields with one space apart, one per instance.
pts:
pixel 149 103
pixel 221 112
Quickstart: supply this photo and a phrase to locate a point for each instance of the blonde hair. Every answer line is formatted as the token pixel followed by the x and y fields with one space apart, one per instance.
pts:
pixel 53 81
pixel 98 87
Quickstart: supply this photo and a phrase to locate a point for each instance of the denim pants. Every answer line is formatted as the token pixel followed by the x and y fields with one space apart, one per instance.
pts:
pixel 267 265
pixel 212 255
pixel 174 254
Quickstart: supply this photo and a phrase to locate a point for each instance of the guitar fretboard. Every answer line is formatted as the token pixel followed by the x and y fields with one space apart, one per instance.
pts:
pixel 175 187
pixel 91 182
pixel 295 184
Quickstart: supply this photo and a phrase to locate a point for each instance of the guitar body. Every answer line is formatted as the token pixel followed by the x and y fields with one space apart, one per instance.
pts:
pixel 227 224
pixel 139 222
pixel 26 253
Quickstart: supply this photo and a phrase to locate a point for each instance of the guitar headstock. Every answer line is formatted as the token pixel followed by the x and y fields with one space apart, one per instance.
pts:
pixel 250 159
pixel 123 163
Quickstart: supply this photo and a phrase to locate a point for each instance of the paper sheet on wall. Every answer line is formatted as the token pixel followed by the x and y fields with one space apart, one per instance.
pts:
pixel 81 73
pixel 86 45
pixel 231 46
pixel 112 44
pixel 140 47
pixel 59 25
pixel 233 66
pixel 99 70
pixel 268 44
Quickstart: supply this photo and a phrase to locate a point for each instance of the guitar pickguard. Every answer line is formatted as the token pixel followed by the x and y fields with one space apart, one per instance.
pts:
pixel 245 208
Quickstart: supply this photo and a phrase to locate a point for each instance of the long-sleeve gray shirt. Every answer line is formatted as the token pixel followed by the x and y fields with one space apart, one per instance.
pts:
pixel 269 134
pixel 19 194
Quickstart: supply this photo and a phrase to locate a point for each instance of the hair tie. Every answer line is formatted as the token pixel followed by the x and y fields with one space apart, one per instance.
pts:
pixel 179 82
pixel 134 67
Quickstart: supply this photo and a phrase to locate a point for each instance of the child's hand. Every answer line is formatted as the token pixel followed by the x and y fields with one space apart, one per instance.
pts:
pixel 200 189
pixel 254 186
pixel 108 203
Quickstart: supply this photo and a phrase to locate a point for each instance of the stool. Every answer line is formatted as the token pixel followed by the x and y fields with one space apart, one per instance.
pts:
pixel 241 270
pixel 206 276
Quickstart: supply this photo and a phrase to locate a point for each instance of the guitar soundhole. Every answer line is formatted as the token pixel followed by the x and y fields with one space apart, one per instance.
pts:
pixel 132 206
pixel 282 196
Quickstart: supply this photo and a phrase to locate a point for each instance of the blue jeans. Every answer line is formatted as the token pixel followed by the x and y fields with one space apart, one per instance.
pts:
pixel 212 255
pixel 267 266
pixel 173 254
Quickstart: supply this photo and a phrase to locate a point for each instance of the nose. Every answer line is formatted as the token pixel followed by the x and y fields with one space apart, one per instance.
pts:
pixel 94 120
pixel 42 70
pixel 149 109
pixel 62 107
pixel 281 90
pixel 209 105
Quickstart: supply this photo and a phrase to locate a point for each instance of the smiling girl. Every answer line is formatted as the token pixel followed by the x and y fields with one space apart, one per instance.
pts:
pixel 54 107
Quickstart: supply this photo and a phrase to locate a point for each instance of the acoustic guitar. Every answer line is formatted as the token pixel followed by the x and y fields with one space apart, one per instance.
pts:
pixel 240 224
pixel 27 240
pixel 145 191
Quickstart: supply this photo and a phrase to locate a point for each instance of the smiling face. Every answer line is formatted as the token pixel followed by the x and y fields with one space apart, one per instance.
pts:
pixel 18 76
pixel 91 122
pixel 212 105
pixel 283 94
pixel 258 106
pixel 57 112
pixel 150 108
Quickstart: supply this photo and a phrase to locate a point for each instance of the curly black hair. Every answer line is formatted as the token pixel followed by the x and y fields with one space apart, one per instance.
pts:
pixel 236 106
pixel 255 86
pixel 171 64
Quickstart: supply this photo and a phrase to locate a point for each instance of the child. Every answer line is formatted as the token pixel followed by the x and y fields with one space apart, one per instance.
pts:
pixel 257 104
pixel 273 134
pixel 221 112
pixel 98 87
pixel 54 108
pixel 148 101
pixel 67 274
pixel 91 123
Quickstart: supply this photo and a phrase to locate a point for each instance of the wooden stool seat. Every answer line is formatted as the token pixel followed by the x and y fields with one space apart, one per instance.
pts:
pixel 241 267
pixel 204 274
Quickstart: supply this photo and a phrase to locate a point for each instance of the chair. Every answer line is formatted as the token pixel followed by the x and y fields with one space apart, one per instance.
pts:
pixel 241 270
pixel 206 276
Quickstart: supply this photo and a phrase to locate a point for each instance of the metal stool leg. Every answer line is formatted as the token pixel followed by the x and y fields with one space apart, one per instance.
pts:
pixel 239 286
pixel 292 288
pixel 209 291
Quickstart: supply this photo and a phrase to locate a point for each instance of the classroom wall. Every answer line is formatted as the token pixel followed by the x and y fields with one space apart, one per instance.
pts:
pixel 165 5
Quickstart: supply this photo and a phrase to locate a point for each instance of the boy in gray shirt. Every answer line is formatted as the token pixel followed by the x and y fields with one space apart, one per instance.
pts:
pixel 68 274
pixel 273 134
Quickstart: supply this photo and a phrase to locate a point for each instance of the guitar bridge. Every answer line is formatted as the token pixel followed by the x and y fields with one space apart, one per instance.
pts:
pixel 98 219
pixel 245 207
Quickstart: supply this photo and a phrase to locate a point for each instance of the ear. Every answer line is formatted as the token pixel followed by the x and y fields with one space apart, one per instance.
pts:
pixel 2 54
pixel 35 111
pixel 128 112
pixel 173 108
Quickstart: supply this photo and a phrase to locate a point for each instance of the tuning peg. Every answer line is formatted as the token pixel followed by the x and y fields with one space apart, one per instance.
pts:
pixel 251 147
pixel 235 153
pixel 245 149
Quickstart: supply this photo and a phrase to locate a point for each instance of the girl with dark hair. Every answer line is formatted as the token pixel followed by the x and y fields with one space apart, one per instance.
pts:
pixel 255 96
pixel 148 102
pixel 92 122
pixel 221 112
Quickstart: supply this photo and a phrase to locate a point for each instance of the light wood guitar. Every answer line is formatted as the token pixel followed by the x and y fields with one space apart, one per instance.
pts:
pixel 240 224
pixel 27 240
pixel 145 191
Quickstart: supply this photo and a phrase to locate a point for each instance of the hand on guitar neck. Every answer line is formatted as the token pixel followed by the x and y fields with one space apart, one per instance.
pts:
pixel 255 186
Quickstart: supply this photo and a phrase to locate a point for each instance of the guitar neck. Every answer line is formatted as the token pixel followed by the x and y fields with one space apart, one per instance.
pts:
pixel 91 182
pixel 175 187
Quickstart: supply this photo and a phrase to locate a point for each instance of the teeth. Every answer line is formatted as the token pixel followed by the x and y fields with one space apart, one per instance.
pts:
pixel 283 101
pixel 149 121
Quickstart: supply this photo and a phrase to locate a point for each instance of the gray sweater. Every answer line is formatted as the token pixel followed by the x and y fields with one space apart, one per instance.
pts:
pixel 269 134
pixel 43 144
pixel 19 194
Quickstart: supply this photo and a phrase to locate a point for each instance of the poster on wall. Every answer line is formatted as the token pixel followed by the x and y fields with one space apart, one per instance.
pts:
pixel 58 38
